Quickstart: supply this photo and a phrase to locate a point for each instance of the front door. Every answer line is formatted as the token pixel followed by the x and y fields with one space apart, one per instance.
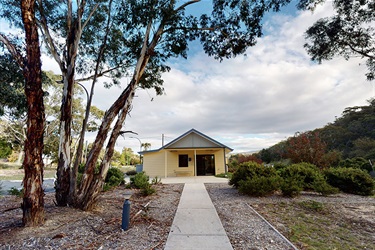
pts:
pixel 205 164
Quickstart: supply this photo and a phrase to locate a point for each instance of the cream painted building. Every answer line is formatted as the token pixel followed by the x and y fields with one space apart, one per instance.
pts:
pixel 191 154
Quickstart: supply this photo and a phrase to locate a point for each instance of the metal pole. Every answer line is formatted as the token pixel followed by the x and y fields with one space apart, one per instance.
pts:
pixel 126 215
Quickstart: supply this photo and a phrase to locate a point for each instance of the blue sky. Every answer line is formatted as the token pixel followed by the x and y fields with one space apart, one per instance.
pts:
pixel 249 102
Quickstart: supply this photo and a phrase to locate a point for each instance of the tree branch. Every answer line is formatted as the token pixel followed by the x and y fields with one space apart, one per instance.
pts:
pixel 98 74
pixel 186 4
pixel 90 15
pixel 48 38
pixel 13 50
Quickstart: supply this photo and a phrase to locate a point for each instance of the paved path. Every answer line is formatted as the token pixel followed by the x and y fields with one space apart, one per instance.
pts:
pixel 196 224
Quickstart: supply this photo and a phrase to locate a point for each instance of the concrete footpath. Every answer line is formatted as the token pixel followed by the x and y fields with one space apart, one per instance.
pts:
pixel 196 224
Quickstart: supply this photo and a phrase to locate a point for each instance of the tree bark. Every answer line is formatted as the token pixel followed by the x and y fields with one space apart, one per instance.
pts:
pixel 33 200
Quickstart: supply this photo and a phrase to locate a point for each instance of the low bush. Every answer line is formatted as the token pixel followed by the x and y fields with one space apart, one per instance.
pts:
pixel 356 162
pixel 259 185
pixel 291 186
pixel 142 181
pixel 255 179
pixel 304 176
pixel 249 170
pixel 16 192
pixel 321 186
pixel 114 177
pixel 351 180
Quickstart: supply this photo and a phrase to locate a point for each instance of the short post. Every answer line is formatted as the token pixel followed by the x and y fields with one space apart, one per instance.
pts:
pixel 126 213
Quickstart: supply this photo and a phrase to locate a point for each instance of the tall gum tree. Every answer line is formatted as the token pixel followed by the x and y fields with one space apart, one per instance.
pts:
pixel 33 199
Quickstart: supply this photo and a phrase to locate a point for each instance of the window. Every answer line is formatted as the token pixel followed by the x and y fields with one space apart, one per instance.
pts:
pixel 183 161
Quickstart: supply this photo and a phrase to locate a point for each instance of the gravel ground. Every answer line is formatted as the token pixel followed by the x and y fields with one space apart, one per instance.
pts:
pixel 352 214
pixel 68 228
pixel 245 229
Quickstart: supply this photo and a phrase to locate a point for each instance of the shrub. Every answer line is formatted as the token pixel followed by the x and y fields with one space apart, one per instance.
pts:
pixel 254 179
pixel 16 192
pixel 141 181
pixel 114 177
pixel 292 186
pixel 356 162
pixel 250 170
pixel 351 180
pixel 259 185
pixel 304 176
pixel 320 185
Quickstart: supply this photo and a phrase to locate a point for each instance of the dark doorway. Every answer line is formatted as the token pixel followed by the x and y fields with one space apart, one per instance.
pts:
pixel 205 164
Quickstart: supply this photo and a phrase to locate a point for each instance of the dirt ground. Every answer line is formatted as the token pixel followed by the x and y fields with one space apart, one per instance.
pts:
pixel 310 221
pixel 68 228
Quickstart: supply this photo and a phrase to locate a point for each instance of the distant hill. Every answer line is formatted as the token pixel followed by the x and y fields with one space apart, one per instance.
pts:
pixel 351 135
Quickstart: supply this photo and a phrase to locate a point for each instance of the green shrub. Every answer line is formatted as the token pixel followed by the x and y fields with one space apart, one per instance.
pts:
pixel 356 162
pixel 291 186
pixel 249 170
pixel 320 185
pixel 16 192
pixel 304 176
pixel 259 185
pixel 114 177
pixel 351 180
pixel 156 181
pixel 312 205
pixel 147 190
pixel 255 179
pixel 140 180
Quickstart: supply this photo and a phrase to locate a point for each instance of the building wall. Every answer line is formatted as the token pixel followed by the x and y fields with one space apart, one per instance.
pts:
pixel 174 169
pixel 153 164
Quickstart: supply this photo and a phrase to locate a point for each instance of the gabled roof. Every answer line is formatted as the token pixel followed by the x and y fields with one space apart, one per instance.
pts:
pixel 192 139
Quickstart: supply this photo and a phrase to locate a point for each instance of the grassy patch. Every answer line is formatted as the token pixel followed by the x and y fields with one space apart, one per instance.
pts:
pixel 314 225
pixel 225 175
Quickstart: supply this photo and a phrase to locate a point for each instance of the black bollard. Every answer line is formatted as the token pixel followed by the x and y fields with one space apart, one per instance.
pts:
pixel 126 214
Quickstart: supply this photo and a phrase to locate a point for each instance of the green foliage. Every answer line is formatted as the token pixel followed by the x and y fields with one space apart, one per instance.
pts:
pixel 114 177
pixel 16 192
pixel 321 186
pixel 351 180
pixel 291 186
pixel 312 205
pixel 346 33
pixel 5 149
pixel 141 181
pixel 225 175
pixel 304 176
pixel 357 162
pixel 254 179
pixel 156 181
pixel 259 185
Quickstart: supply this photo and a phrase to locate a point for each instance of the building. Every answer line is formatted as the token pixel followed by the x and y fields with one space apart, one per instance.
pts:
pixel 191 154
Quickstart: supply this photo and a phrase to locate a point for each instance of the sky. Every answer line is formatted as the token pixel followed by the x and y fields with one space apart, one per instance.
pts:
pixel 250 102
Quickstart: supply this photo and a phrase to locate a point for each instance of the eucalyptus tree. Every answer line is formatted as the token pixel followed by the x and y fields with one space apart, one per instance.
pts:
pixel 29 61
pixel 350 32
